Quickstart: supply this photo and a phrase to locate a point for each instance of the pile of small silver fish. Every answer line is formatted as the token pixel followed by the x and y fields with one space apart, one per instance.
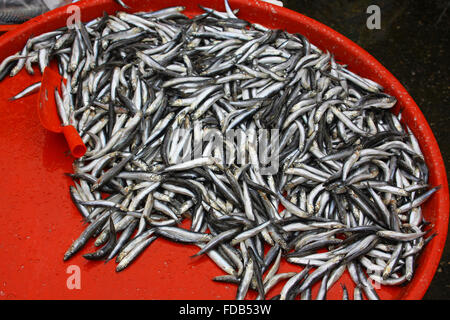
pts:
pixel 351 177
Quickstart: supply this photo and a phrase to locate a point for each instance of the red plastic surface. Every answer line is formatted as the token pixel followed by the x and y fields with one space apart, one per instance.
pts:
pixel 8 27
pixel 39 222
pixel 76 145
pixel 47 110
pixel 48 113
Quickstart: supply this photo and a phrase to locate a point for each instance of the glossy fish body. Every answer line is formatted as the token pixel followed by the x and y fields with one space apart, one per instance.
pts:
pixel 221 122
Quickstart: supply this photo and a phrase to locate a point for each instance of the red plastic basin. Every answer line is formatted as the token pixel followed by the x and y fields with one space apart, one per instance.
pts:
pixel 39 222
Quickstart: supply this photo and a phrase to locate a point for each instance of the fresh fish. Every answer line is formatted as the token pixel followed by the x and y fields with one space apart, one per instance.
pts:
pixel 180 115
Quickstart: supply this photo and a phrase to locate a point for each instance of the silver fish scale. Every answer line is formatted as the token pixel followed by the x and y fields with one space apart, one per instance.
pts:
pixel 145 89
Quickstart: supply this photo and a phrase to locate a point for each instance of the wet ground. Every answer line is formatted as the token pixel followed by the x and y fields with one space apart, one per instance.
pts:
pixel 413 44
